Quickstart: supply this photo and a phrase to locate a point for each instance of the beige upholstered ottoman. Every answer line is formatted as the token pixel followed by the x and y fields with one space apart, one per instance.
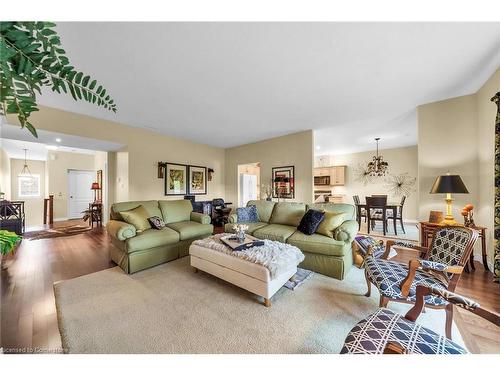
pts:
pixel 247 275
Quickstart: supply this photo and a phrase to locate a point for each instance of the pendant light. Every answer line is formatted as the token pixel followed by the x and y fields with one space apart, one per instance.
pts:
pixel 26 170
pixel 377 167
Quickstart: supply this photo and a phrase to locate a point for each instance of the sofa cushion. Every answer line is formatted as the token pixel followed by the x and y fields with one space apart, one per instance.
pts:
pixel 138 217
pixel 274 232
pixel 331 221
pixel 310 221
pixel 176 210
pixel 288 213
pixel 348 209
pixel 152 238
pixel 191 229
pixel 156 222
pixel 264 208
pixel 150 206
pixel 247 214
pixel 318 244
pixel 252 227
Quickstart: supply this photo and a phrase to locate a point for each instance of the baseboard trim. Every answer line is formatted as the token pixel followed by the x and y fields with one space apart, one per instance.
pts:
pixel 60 219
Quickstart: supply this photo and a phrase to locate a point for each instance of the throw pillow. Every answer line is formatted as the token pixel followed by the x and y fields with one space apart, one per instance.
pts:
pixel 138 217
pixel 156 222
pixel 247 214
pixel 331 221
pixel 310 221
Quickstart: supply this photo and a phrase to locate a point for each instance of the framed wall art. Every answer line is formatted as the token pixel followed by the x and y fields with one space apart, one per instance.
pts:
pixel 283 179
pixel 175 179
pixel 99 181
pixel 197 181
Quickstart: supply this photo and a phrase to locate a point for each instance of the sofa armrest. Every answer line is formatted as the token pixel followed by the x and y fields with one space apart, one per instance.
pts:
pixel 120 230
pixel 347 231
pixel 200 218
pixel 233 218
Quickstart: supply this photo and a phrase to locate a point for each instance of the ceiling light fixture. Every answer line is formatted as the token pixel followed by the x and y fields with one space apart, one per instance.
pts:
pixel 58 140
pixel 51 147
pixel 26 170
pixel 377 167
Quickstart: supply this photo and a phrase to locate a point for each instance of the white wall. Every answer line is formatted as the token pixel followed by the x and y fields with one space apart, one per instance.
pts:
pixel 5 178
pixel 401 160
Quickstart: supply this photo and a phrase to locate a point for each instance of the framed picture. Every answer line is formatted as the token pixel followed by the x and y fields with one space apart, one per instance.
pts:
pixel 283 182
pixel 175 179
pixel 99 181
pixel 197 180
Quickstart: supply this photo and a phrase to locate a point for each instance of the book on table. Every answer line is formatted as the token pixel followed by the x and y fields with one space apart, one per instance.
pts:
pixel 233 242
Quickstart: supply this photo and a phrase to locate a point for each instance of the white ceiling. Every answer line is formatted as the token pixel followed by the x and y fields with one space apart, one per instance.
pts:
pixel 35 151
pixel 227 84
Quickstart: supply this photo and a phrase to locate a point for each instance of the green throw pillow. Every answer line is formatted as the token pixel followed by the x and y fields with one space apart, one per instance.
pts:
pixel 138 217
pixel 331 222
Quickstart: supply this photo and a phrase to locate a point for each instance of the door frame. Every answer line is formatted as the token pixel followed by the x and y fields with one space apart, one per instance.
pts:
pixel 68 188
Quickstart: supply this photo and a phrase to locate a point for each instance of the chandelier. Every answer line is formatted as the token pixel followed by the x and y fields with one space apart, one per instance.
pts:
pixel 377 167
pixel 26 170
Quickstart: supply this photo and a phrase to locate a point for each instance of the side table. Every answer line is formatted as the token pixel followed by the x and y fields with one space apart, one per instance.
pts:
pixel 427 230
pixel 95 209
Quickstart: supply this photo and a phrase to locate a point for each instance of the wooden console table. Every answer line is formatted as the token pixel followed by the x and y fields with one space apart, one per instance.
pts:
pixel 95 209
pixel 427 232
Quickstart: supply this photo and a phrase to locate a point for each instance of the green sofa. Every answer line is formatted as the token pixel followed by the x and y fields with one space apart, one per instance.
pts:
pixel 134 251
pixel 278 221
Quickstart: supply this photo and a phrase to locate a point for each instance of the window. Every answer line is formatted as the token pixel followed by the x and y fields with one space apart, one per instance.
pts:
pixel 29 186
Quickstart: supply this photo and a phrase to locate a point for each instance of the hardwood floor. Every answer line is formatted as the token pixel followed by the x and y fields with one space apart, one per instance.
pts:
pixel 29 321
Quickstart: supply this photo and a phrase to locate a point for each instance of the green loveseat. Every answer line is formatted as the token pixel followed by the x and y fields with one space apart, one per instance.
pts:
pixel 134 251
pixel 325 255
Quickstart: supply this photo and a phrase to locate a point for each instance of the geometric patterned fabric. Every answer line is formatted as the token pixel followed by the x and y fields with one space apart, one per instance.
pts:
pixel 371 335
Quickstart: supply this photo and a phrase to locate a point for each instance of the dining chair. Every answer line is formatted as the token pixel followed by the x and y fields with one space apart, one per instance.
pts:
pixel 440 266
pixel 360 212
pixel 386 332
pixel 399 215
pixel 376 208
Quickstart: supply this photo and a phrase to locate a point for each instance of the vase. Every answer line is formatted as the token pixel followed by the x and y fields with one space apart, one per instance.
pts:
pixel 241 236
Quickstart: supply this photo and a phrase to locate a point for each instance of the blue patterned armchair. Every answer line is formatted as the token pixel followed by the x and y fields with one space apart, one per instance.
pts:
pixel 385 332
pixel 439 266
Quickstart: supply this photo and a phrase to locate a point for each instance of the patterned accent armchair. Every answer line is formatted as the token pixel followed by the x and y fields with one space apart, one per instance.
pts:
pixel 385 332
pixel 440 266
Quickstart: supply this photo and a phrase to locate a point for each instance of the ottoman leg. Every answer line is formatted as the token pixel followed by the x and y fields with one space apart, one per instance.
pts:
pixel 267 302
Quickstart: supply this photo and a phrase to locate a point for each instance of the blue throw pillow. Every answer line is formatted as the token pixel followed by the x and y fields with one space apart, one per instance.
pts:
pixel 310 221
pixel 247 214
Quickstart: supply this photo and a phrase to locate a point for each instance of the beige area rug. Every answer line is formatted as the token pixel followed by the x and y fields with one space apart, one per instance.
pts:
pixel 67 231
pixel 170 309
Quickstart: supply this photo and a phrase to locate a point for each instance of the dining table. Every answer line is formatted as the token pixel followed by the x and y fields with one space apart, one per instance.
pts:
pixel 393 206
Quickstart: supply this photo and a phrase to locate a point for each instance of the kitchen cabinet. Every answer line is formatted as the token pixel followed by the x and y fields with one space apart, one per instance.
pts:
pixel 336 174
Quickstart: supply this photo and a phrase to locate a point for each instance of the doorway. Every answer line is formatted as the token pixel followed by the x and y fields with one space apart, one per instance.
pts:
pixel 248 183
pixel 79 192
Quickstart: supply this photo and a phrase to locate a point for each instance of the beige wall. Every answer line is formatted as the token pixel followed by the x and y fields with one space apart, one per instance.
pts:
pixel 486 115
pixel 401 160
pixel 5 182
pixel 145 149
pixel 457 135
pixel 58 165
pixel 33 207
pixel 294 149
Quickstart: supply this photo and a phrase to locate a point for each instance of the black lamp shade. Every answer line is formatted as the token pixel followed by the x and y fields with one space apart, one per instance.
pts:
pixel 281 179
pixel 452 184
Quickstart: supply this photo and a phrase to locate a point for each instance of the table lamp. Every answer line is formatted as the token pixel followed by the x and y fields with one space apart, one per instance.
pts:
pixel 95 187
pixel 449 184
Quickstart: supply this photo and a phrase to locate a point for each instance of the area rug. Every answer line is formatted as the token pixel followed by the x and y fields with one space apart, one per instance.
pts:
pixel 171 309
pixel 70 230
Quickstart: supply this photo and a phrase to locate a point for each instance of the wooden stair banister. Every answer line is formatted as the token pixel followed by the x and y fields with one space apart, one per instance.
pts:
pixel 48 205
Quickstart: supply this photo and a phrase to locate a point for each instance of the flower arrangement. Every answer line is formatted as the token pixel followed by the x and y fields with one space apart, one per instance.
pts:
pixel 267 191
pixel 468 215
pixel 240 230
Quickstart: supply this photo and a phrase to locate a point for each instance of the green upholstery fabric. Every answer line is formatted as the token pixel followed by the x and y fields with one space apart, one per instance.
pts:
pixel 190 229
pixel 288 213
pixel 331 266
pixel 150 206
pixel 252 227
pixel 141 260
pixel 120 229
pixel 347 231
pixel 264 208
pixel 138 217
pixel 233 218
pixel 200 218
pixel 347 209
pixel 318 244
pixel 152 238
pixel 275 232
pixel 175 211
pixel 331 221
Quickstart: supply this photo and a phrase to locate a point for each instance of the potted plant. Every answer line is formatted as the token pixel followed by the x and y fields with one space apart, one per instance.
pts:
pixel 8 242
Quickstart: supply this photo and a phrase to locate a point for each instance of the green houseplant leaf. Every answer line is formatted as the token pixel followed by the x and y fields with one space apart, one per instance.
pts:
pixel 31 56
pixel 8 241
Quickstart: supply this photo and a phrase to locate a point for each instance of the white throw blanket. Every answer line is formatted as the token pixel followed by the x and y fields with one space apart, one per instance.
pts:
pixel 277 257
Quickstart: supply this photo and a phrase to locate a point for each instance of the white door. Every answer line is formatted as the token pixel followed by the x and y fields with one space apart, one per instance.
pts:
pixel 79 193
pixel 248 188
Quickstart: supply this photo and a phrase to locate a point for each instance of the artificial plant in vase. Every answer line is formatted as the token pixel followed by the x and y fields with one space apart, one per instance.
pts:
pixel 8 241
pixel 31 56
